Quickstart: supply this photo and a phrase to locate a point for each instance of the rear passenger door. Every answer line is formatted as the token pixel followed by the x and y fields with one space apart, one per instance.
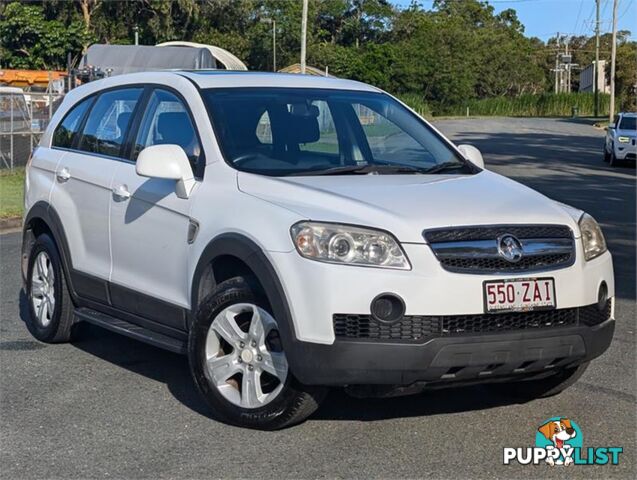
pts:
pixel 149 223
pixel 82 192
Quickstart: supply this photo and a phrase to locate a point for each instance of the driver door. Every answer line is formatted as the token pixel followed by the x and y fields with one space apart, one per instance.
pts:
pixel 149 223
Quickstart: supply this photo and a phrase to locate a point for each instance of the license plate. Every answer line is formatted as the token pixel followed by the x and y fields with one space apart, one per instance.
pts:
pixel 519 295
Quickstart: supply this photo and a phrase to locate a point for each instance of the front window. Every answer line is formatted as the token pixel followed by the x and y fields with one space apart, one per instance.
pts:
pixel 275 131
pixel 628 123
pixel 166 121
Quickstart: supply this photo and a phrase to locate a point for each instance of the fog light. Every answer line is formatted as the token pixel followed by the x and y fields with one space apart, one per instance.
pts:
pixel 602 297
pixel 387 307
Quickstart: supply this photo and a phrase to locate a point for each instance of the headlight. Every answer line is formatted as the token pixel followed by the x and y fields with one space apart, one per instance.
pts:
pixel 623 139
pixel 333 243
pixel 592 237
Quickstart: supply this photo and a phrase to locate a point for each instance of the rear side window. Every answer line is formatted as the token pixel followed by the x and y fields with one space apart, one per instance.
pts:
pixel 66 131
pixel 167 121
pixel 108 121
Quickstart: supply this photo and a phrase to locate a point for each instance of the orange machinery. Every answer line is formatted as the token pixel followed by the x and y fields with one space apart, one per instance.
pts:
pixel 30 79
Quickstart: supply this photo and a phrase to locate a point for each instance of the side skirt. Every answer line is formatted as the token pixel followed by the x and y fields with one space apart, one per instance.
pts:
pixel 131 330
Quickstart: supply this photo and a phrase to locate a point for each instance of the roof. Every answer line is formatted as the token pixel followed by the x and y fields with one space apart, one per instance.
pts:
pixel 224 57
pixel 628 114
pixel 228 78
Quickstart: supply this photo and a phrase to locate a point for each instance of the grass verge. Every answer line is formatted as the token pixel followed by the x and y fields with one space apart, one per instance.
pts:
pixel 11 192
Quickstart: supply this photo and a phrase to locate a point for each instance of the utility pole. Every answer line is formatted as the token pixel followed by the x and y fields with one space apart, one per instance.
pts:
pixel 303 35
pixel 613 53
pixel 596 66
pixel 568 68
pixel 557 62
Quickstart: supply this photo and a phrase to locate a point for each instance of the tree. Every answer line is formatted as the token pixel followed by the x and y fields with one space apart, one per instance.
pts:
pixel 31 41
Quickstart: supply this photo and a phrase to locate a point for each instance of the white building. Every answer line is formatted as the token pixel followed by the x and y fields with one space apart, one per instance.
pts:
pixel 586 78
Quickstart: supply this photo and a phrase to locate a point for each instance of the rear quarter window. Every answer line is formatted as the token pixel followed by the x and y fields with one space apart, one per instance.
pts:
pixel 67 130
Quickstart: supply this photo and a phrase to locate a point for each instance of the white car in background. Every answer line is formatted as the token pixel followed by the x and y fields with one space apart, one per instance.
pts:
pixel 290 233
pixel 620 139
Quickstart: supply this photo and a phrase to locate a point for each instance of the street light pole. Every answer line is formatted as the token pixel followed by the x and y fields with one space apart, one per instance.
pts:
pixel 303 35
pixel 613 54
pixel 273 22
pixel 596 69
pixel 273 45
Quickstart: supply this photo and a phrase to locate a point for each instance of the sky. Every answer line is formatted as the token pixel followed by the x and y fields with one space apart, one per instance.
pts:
pixel 544 18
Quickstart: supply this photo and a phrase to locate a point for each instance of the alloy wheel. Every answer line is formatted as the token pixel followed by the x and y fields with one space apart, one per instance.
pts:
pixel 244 357
pixel 43 289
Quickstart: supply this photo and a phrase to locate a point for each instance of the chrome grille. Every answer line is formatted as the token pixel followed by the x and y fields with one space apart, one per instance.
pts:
pixel 475 249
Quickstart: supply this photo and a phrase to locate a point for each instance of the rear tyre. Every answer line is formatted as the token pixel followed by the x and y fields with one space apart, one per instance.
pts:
pixel 546 387
pixel 238 363
pixel 606 155
pixel 50 307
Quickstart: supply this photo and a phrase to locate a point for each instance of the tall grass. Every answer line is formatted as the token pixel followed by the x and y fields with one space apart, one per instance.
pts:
pixel 544 105
pixel 417 102
pixel 529 105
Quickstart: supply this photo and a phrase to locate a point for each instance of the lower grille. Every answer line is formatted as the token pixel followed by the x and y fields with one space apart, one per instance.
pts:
pixel 418 328
pixel 592 315
pixel 364 326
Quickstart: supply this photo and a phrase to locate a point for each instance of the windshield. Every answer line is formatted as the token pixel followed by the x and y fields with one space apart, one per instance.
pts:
pixel 294 131
pixel 628 123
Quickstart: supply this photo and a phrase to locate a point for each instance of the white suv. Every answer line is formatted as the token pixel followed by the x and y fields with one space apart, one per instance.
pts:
pixel 291 232
pixel 621 135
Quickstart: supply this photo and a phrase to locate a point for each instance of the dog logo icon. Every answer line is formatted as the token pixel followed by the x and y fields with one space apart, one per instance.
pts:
pixel 560 434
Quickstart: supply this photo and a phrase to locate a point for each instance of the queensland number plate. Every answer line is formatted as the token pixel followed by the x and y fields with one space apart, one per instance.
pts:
pixel 519 295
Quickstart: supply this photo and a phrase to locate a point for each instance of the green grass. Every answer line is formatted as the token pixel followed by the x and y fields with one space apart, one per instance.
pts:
pixel 11 192
pixel 544 105
pixel 528 105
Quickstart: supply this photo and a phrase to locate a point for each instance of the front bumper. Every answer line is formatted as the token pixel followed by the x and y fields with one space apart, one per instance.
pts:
pixel 625 151
pixel 316 291
pixel 481 358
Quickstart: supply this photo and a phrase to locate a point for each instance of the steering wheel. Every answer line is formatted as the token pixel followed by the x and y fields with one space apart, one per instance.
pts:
pixel 241 159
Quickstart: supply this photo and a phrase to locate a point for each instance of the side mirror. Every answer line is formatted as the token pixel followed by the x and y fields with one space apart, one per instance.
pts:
pixel 170 162
pixel 611 126
pixel 472 154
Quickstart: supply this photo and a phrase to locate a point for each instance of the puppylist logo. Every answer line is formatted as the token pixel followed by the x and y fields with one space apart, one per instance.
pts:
pixel 559 441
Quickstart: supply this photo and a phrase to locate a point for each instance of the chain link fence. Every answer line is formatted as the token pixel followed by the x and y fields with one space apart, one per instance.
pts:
pixel 23 118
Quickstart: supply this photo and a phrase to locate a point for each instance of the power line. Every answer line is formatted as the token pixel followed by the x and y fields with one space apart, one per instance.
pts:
pixel 579 12
pixel 628 5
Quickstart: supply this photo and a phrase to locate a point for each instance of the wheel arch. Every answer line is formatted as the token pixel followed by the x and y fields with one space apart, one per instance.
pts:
pixel 42 218
pixel 231 250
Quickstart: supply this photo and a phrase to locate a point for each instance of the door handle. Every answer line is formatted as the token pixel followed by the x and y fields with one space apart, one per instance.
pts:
pixel 63 175
pixel 121 192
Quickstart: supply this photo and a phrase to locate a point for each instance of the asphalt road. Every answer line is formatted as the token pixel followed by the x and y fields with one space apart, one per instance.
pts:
pixel 109 407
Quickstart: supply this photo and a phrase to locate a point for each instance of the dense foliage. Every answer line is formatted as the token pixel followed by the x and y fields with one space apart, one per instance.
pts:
pixel 442 59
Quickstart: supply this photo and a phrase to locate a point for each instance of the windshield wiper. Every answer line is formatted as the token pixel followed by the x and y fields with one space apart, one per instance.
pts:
pixel 362 170
pixel 442 167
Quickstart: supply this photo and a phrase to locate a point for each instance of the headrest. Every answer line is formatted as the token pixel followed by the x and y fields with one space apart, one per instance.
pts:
pixel 303 125
pixel 122 122
pixel 175 127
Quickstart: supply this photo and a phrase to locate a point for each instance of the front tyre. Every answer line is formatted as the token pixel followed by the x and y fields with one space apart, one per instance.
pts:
pixel 613 162
pixel 50 316
pixel 238 363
